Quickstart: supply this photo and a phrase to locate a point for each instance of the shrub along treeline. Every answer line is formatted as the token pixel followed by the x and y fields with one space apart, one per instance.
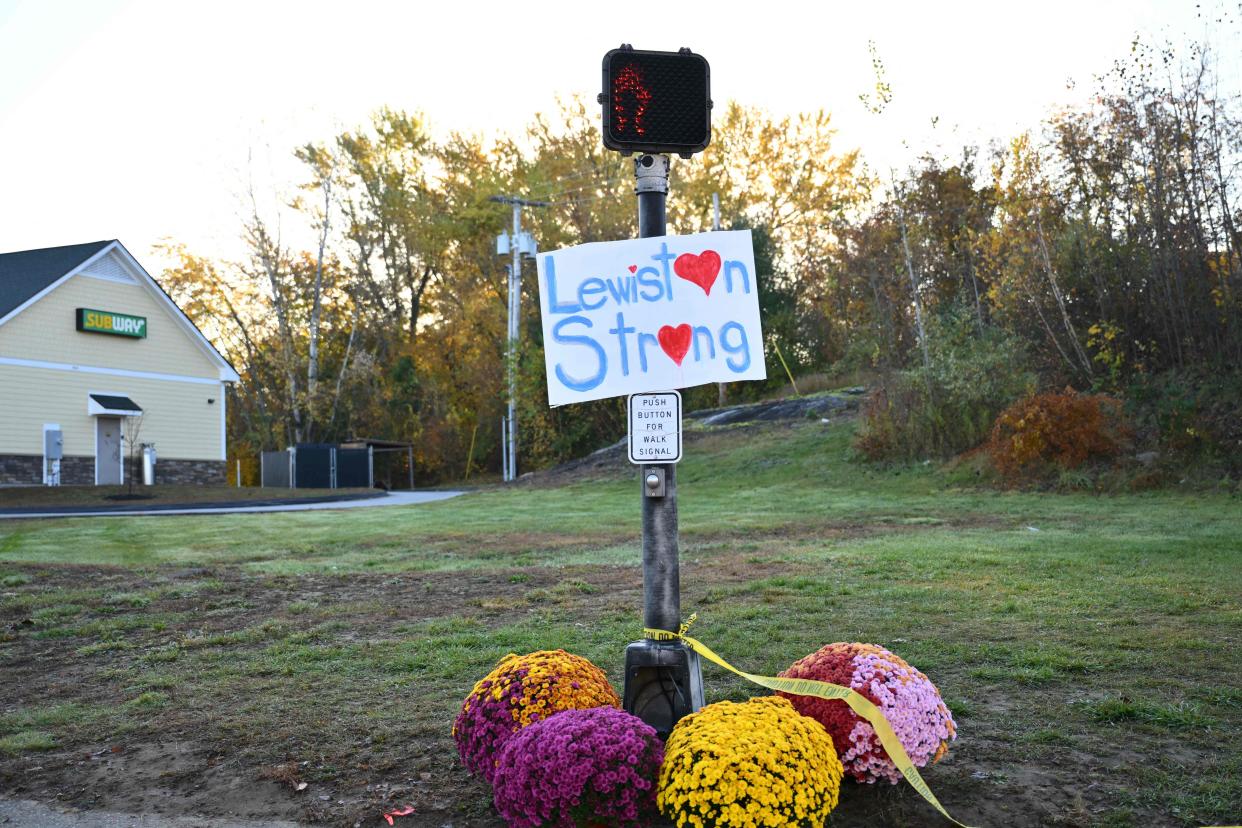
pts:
pixel 1100 253
pixel 1102 256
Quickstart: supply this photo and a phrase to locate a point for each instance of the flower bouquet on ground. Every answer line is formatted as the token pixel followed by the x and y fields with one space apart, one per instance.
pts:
pixel 521 690
pixel 749 765
pixel 908 699
pixel 592 767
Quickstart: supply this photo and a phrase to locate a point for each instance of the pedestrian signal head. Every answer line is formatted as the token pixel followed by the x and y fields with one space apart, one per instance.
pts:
pixel 656 101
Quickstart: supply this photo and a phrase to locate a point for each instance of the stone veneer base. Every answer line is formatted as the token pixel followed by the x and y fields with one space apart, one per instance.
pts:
pixel 26 470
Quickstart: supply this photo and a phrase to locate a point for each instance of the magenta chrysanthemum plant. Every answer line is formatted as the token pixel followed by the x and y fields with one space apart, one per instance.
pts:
pixel 522 690
pixel 580 767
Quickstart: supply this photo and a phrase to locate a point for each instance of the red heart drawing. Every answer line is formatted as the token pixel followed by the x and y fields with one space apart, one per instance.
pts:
pixel 701 269
pixel 633 268
pixel 675 341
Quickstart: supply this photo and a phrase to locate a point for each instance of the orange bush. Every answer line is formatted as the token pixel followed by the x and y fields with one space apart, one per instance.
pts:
pixel 877 439
pixel 1057 429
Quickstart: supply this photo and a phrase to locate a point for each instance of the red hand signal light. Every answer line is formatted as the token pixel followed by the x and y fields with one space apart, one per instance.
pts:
pixel 629 101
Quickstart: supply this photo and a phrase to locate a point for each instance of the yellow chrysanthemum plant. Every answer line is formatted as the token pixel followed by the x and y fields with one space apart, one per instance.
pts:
pixel 521 690
pixel 757 763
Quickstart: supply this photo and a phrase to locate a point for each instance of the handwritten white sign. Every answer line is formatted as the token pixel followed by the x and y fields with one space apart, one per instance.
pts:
pixel 652 314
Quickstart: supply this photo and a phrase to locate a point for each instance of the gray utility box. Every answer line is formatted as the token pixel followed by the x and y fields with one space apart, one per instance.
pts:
pixel 53 453
pixel 54 445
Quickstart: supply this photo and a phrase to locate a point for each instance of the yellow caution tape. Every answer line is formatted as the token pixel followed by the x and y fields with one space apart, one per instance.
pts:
pixel 823 690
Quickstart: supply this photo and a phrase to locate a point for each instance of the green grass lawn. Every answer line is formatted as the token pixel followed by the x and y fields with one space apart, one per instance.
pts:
pixel 1088 645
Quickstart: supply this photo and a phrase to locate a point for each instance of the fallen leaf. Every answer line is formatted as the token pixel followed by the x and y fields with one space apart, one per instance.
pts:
pixel 406 811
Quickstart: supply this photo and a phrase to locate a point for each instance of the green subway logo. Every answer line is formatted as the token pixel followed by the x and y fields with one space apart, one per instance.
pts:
pixel 108 322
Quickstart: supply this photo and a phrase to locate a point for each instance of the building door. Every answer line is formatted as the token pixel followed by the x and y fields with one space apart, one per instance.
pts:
pixel 107 451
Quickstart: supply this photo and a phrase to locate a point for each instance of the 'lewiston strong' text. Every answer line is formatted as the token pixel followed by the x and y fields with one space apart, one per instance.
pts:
pixel 668 312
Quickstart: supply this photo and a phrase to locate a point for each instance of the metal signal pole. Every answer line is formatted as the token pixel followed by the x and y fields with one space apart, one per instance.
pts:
pixel 663 680
pixel 656 103
pixel 661 578
pixel 720 387
pixel 509 434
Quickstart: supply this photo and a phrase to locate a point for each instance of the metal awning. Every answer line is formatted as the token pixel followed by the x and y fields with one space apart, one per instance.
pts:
pixel 111 405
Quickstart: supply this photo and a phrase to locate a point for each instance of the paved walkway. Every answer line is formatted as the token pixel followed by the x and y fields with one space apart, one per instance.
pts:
pixel 24 813
pixel 390 499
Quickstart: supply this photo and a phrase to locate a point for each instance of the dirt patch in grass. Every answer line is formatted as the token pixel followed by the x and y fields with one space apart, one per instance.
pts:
pixel 170 778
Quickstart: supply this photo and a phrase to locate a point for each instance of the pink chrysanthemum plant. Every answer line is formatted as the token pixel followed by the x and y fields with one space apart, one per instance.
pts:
pixel 594 767
pixel 521 690
pixel 908 699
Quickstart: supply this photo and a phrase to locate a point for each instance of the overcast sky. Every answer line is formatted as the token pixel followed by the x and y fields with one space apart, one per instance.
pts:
pixel 142 119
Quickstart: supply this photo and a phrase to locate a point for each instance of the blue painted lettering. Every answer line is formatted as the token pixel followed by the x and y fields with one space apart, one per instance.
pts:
pixel 701 330
pixel 732 265
pixel 740 349
pixel 554 304
pixel 591 287
pixel 643 339
pixel 624 289
pixel 573 383
pixel 621 330
pixel 649 277
pixel 664 257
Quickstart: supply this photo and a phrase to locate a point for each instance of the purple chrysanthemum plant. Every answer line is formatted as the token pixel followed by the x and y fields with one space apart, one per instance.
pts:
pixel 594 767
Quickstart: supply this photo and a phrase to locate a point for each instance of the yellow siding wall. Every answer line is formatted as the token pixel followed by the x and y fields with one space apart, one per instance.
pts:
pixel 177 418
pixel 46 331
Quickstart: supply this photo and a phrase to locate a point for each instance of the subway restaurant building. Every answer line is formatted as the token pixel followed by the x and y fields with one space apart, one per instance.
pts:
pixel 93 353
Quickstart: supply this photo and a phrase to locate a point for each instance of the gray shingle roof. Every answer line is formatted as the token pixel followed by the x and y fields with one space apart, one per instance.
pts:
pixel 26 272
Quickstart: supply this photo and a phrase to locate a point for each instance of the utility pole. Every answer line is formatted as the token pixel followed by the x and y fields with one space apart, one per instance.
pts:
pixel 518 244
pixel 720 386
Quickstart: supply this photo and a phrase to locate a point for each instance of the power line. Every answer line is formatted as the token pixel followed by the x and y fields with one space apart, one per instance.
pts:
pixel 579 174
pixel 613 174
pixel 593 185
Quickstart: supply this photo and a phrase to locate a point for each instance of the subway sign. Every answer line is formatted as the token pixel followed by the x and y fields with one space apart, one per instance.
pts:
pixel 107 322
